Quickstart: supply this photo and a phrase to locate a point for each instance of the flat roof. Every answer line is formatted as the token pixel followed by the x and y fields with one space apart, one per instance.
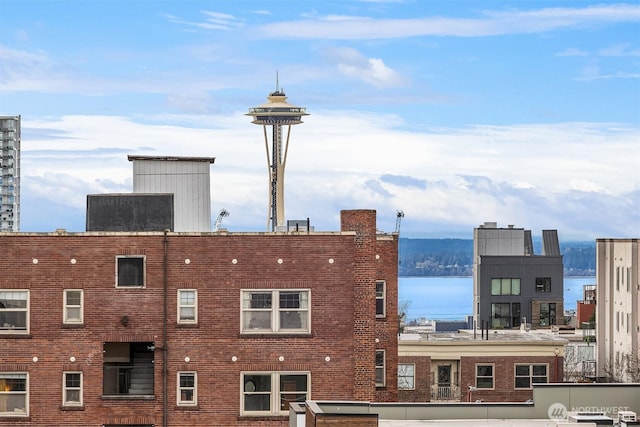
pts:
pixel 462 423
pixel 466 335
pixel 172 158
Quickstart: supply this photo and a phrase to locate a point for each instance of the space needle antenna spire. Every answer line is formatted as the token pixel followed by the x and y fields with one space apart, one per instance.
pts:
pixel 276 113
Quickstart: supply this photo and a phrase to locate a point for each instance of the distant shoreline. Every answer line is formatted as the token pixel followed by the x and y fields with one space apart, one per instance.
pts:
pixel 469 277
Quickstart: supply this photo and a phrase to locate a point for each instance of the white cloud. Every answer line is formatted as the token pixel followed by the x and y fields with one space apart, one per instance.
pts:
pixel 213 21
pixel 619 50
pixel 450 179
pixel 572 51
pixel 491 23
pixel 372 71
pixel 592 72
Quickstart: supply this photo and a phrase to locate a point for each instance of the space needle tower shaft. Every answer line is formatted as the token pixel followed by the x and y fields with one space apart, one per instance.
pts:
pixel 278 114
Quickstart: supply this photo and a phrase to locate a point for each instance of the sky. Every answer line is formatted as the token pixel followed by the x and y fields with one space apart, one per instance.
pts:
pixel 454 112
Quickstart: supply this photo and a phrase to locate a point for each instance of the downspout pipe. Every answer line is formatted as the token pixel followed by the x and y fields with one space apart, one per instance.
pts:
pixel 165 351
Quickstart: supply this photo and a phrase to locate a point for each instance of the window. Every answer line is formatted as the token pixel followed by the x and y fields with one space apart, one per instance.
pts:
pixel 279 311
pixel 269 393
pixel 187 306
pixel 547 313
pixel 500 315
pixel 380 368
pixel 130 271
pixel 543 284
pixel 380 298
pixel 14 394
pixel 406 376
pixel 72 389
pixel 526 375
pixel 515 315
pixel 505 286
pixel 14 311
pixel 484 376
pixel 128 369
pixel 73 306
pixel 187 388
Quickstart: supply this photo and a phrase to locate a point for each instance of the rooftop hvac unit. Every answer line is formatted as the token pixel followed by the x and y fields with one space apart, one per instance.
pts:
pixel 594 418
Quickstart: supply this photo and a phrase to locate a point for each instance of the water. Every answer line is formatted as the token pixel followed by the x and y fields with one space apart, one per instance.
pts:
pixel 451 298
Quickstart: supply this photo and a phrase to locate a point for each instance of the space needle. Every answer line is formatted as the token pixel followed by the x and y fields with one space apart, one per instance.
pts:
pixel 277 113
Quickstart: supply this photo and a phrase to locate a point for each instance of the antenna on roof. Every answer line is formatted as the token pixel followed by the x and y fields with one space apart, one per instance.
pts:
pixel 277 82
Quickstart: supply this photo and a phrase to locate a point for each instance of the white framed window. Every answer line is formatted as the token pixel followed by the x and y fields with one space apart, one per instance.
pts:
pixel 187 389
pixel 406 376
pixel 187 306
pixel 381 297
pixel 269 393
pixel 130 271
pixel 72 388
pixel 527 375
pixel 380 368
pixel 484 376
pixel 276 311
pixel 14 394
pixel 14 311
pixel 73 311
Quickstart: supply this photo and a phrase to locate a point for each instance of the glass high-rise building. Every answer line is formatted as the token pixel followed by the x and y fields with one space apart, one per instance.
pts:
pixel 9 173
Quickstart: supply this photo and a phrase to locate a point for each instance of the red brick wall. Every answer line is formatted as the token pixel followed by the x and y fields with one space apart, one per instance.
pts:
pixel 387 327
pixel 364 309
pixel 343 334
pixel 504 376
pixel 422 380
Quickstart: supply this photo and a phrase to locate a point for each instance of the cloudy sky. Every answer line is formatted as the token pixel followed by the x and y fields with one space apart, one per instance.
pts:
pixel 455 112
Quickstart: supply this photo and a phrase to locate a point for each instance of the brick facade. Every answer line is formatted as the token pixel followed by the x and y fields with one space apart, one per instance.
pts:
pixel 503 389
pixel 338 269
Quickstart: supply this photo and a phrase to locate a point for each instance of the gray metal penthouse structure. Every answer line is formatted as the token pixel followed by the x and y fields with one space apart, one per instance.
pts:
pixel 9 173
pixel 511 285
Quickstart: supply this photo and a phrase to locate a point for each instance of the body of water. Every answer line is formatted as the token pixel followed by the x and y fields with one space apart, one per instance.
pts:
pixel 451 298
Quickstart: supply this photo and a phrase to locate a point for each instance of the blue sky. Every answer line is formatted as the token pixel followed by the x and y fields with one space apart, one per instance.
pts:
pixel 455 112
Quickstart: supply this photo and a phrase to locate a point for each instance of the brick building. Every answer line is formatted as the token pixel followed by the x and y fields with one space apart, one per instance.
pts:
pixel 491 366
pixel 207 328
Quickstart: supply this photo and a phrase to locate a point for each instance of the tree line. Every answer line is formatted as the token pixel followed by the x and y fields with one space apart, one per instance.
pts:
pixel 454 257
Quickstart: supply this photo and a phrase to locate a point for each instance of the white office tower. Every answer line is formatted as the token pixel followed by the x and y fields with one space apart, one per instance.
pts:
pixel 187 178
pixel 10 173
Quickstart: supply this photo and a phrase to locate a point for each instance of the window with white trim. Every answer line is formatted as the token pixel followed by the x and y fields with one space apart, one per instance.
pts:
pixel 406 376
pixel 130 271
pixel 380 368
pixel 269 393
pixel 484 376
pixel 72 388
pixel 187 306
pixel 14 394
pixel 14 311
pixel 527 375
pixel 73 310
pixel 381 290
pixel 275 311
pixel 187 389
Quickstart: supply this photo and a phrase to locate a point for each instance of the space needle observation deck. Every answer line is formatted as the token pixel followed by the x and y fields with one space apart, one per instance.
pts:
pixel 277 113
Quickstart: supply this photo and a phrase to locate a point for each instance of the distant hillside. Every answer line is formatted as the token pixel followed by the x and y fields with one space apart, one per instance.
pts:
pixel 454 257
